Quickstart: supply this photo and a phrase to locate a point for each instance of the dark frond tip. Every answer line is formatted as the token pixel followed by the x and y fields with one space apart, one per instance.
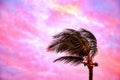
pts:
pixel 70 30
pixel 53 45
pixel 87 34
pixel 50 48
pixel 66 32
pixel 47 49
pixel 70 59
pixel 60 35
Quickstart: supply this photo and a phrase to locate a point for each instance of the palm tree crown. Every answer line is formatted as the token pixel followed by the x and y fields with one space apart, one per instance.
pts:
pixel 77 44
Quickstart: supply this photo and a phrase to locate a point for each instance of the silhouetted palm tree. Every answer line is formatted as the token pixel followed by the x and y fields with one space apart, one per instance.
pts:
pixel 81 47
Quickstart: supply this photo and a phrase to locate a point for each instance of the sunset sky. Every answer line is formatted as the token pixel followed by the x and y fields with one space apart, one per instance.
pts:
pixel 27 27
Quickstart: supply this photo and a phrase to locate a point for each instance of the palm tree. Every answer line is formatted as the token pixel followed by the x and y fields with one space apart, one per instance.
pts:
pixel 81 47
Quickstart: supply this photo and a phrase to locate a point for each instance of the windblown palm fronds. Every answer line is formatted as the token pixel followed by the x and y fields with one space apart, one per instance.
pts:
pixel 73 59
pixel 76 43
pixel 92 41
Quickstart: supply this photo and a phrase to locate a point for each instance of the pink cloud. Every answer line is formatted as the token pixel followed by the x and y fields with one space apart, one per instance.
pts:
pixel 26 29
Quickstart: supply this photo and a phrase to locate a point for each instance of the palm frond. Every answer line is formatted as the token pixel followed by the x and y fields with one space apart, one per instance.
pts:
pixel 70 41
pixel 67 33
pixel 53 45
pixel 92 41
pixel 74 42
pixel 70 59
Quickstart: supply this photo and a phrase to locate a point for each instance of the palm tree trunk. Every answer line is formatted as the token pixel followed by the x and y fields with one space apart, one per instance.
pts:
pixel 90 72
pixel 90 67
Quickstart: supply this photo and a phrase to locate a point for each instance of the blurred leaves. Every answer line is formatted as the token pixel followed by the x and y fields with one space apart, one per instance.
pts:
pixel 73 59
pixel 77 44
pixel 92 41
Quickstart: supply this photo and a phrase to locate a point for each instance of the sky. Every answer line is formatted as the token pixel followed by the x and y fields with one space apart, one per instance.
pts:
pixel 27 27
